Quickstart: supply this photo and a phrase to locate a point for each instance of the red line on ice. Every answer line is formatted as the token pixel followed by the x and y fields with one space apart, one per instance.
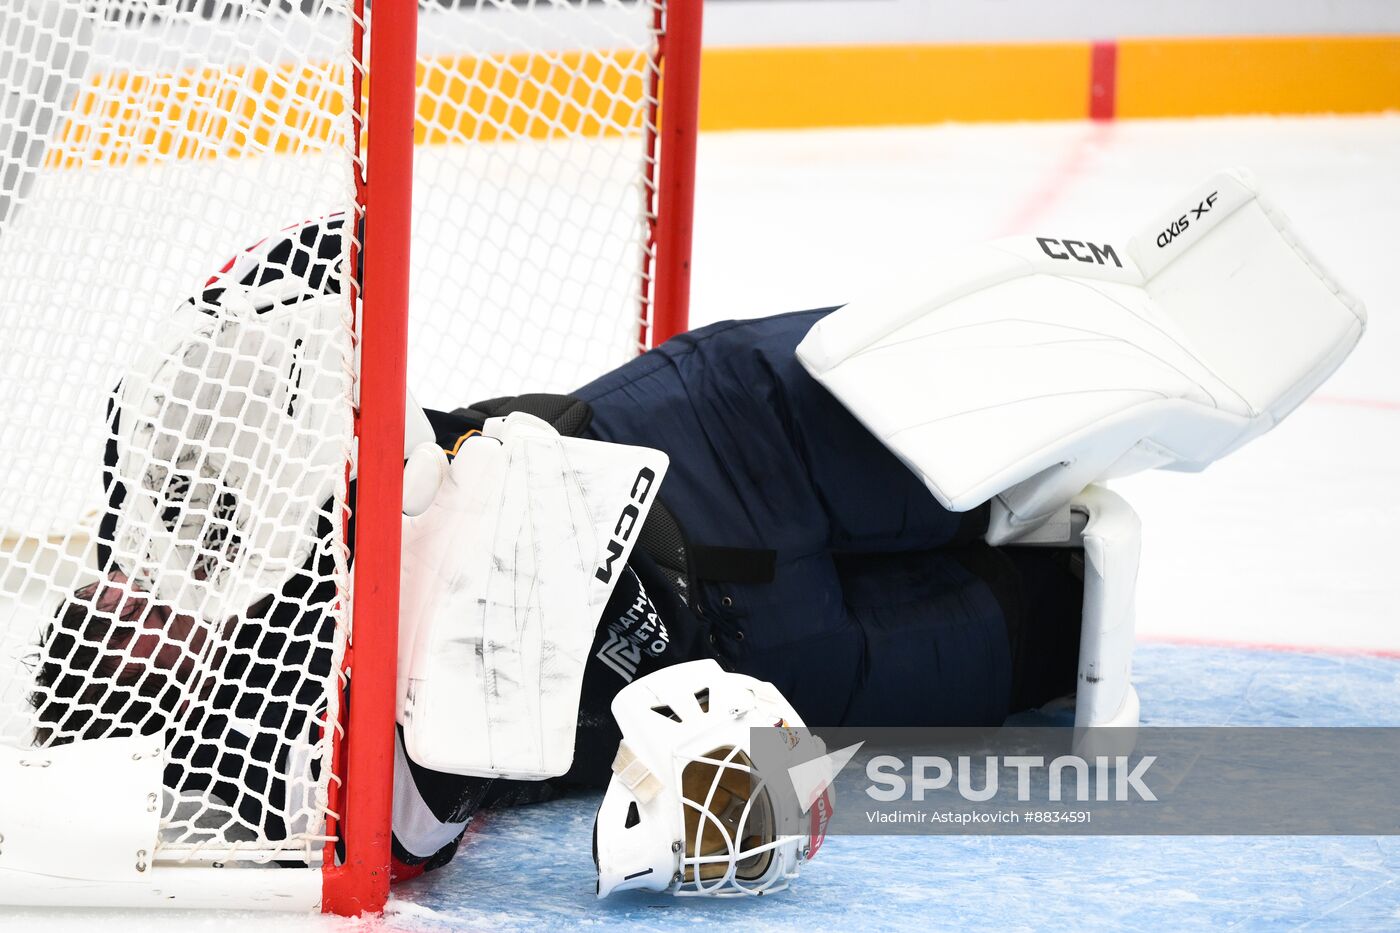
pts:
pixel 1339 650
pixel 1058 180
pixel 1376 404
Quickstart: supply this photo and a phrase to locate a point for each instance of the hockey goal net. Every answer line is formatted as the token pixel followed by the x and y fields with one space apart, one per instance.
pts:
pixel 203 277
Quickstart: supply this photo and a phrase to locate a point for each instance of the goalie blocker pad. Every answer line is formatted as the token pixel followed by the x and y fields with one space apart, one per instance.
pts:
pixel 505 577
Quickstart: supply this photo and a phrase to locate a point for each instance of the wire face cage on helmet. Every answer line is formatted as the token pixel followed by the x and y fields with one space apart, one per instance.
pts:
pixel 730 829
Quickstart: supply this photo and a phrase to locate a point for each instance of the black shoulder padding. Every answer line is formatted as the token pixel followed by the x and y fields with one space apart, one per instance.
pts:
pixel 566 414
pixel 664 542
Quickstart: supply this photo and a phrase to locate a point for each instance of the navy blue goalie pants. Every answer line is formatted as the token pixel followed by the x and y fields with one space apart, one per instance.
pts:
pixel 816 560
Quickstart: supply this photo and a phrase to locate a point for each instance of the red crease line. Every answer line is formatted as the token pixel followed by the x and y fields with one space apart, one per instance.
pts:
pixel 1188 641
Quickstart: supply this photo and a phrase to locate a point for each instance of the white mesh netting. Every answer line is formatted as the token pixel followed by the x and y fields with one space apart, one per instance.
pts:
pixel 531 195
pixel 177 195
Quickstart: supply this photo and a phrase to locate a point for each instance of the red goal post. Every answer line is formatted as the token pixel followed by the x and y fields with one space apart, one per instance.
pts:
pixel 361 883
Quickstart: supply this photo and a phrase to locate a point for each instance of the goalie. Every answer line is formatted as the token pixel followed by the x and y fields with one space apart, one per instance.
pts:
pixel 886 510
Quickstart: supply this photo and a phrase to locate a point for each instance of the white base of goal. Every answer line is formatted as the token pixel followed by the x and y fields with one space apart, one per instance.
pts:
pixel 176 887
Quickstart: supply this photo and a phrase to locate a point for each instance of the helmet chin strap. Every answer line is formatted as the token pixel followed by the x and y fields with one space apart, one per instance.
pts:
pixel 634 774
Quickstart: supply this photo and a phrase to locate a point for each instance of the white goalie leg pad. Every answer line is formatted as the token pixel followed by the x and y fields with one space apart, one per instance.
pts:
pixel 505 577
pixel 230 442
pixel 87 811
pixel 1028 368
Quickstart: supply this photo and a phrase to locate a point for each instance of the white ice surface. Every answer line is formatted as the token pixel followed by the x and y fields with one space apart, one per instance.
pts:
pixel 1289 542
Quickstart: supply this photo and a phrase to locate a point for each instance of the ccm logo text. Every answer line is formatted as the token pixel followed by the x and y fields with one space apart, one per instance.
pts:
pixel 626 523
pixel 1078 249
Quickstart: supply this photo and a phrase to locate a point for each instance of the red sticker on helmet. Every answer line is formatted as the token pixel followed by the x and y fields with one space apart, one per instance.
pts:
pixel 820 816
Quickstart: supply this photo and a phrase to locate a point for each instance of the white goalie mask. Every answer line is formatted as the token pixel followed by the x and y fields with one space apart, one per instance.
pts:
pixel 687 811
pixel 232 435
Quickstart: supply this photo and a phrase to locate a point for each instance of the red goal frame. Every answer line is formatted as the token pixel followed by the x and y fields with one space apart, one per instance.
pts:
pixel 362 788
